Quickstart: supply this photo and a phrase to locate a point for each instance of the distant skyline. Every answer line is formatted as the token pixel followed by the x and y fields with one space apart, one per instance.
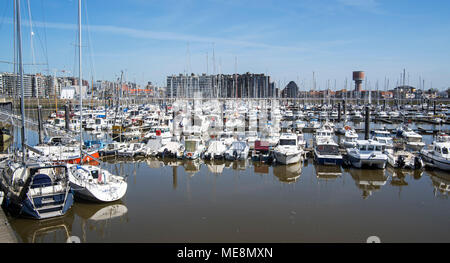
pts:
pixel 288 40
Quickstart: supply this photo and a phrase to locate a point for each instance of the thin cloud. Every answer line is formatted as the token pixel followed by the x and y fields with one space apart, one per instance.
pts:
pixel 171 36
pixel 366 5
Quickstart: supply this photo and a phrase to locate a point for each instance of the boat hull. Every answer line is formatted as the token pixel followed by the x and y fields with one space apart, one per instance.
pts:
pixel 284 158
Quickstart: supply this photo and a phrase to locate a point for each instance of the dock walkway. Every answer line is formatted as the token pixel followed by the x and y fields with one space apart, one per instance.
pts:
pixel 6 233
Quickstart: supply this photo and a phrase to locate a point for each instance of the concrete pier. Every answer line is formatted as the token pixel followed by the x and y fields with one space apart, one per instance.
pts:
pixel 6 233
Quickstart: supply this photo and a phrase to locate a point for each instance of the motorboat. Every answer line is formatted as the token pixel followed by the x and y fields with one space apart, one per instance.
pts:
pixel 172 149
pixel 216 150
pixel 95 184
pixel 350 137
pixel 403 159
pixel 193 147
pixel 367 153
pixel 238 150
pixel 132 150
pixel 383 136
pixel 152 146
pixel 251 137
pixel 112 149
pixel 261 152
pixel 162 132
pixel 326 152
pixel 437 155
pixel 288 151
pixel 413 140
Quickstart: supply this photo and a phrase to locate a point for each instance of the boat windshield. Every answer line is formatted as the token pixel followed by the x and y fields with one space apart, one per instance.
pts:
pixel 327 149
pixel 287 142
pixel 190 146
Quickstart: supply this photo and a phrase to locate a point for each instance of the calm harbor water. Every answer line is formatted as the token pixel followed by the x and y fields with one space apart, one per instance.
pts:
pixel 196 201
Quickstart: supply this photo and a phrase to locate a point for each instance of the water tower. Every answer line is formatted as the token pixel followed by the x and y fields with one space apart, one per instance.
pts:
pixel 358 77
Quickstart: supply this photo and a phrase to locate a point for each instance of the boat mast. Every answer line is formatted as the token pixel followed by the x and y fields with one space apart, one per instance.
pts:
pixel 80 83
pixel 22 100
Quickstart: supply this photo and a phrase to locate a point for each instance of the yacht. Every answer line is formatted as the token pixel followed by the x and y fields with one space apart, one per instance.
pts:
pixel 95 184
pixel 36 190
pixel 367 152
pixel 326 152
pixel 288 151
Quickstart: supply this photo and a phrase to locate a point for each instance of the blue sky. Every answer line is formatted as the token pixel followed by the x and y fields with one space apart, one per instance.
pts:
pixel 285 39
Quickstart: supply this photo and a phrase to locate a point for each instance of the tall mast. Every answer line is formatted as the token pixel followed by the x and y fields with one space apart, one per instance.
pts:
pixel 80 81
pixel 22 100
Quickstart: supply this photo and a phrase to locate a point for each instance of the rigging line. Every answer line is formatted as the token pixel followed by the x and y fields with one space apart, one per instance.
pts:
pixel 12 63
pixel 89 42
pixel 45 46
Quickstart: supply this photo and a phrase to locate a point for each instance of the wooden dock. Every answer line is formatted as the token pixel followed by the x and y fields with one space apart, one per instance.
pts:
pixel 6 232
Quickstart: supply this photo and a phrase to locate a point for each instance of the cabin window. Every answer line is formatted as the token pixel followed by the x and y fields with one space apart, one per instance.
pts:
pixel 371 147
pixel 287 142
pixel 444 150
pixel 362 147
pixel 94 174
pixel 378 148
pixel 190 146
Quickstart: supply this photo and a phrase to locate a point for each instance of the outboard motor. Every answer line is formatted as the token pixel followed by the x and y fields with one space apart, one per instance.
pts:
pixel 235 154
pixel 418 162
pixel 400 162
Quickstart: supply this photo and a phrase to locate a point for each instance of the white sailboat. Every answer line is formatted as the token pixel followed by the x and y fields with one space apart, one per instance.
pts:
pixel 91 182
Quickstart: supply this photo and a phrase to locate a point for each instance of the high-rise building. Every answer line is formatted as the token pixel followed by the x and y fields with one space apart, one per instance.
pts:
pixel 246 85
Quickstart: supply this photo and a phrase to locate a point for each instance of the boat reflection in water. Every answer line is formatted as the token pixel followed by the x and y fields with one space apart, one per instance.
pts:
pixel 97 217
pixel 155 163
pixel 239 165
pixel 441 183
pixel 191 167
pixel 368 180
pixel 327 172
pixel 215 166
pixel 53 230
pixel 260 168
pixel 288 173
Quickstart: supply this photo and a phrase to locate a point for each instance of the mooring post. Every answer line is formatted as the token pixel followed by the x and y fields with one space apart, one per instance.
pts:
pixel 367 126
pixel 339 112
pixel 434 107
pixel 40 123
pixel 67 119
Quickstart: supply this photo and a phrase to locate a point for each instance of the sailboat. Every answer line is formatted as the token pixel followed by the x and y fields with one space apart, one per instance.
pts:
pixel 33 189
pixel 90 182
